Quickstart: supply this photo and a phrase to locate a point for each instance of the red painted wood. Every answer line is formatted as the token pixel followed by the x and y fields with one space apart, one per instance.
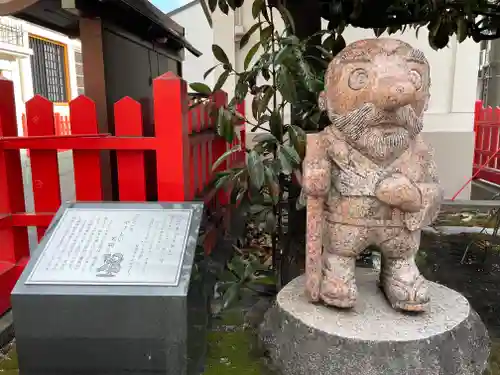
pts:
pixel 494 138
pixel 87 165
pixel 9 274
pixel 84 142
pixel 171 130
pixel 199 117
pixel 131 176
pixel 31 220
pixel 44 165
pixel 14 240
pixel 490 175
pixel 486 146
pixel 192 166
pixel 207 161
pixel 191 119
pixel 200 170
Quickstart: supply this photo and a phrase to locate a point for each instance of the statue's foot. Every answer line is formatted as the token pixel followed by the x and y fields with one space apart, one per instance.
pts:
pixel 338 287
pixel 404 286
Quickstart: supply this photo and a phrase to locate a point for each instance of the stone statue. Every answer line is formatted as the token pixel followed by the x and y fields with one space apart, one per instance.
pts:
pixel 369 178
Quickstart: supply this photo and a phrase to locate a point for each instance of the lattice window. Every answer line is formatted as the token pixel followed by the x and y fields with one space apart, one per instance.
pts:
pixel 79 72
pixel 48 66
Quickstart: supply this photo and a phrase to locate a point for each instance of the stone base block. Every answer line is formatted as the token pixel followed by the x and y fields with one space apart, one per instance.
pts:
pixel 373 339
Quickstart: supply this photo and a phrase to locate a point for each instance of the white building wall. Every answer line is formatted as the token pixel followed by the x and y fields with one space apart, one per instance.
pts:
pixel 200 34
pixel 15 63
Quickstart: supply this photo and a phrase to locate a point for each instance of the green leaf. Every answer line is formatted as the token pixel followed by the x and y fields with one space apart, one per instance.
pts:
pixel 290 154
pixel 327 43
pixel 223 6
pixel 222 80
pixel 220 54
pixel 225 125
pixel 237 265
pixel 286 166
pixel 298 139
pixel 245 38
pixel 276 125
pixel 325 52
pixel 262 120
pixel 266 74
pixel 339 45
pixel 264 137
pixel 224 156
pixel 255 106
pixel 207 73
pixel 265 34
pixel 257 7
pixel 286 84
pixel 231 295
pixel 461 29
pixel 273 185
pixel 241 89
pixel 287 18
pixel 282 54
pixel 212 4
pixel 291 40
pixel 251 53
pixel 265 98
pixel 231 4
pixel 201 88
pixel 256 169
pixel 221 181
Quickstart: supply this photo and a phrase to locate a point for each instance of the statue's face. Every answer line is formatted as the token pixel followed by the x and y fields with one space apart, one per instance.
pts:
pixel 388 73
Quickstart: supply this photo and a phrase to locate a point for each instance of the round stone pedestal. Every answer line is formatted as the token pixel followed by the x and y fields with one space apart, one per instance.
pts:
pixel 373 339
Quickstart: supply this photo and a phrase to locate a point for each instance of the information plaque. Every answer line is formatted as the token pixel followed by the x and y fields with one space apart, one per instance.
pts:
pixel 92 246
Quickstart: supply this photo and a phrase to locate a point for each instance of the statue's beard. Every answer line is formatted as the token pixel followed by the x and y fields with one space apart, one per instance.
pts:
pixel 383 140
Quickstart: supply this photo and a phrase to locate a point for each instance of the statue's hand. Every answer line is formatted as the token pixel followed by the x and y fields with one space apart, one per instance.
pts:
pixel 398 191
pixel 317 178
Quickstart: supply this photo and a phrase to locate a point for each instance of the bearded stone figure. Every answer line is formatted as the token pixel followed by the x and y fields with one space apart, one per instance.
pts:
pixel 369 178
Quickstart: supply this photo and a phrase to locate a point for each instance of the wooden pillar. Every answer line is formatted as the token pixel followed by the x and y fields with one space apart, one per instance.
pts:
pixel 91 36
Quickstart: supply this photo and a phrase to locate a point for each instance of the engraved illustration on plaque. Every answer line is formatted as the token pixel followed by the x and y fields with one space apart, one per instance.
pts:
pixel 92 246
pixel 112 265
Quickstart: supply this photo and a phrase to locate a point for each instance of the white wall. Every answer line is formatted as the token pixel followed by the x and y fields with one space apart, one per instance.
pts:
pixel 15 60
pixel 199 33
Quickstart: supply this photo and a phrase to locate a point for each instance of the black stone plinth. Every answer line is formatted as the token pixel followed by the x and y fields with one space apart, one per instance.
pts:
pixel 113 329
pixel 373 339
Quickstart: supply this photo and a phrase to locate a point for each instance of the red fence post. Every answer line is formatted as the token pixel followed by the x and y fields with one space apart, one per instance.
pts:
pixel 131 176
pixel 14 250
pixel 44 164
pixel 87 164
pixel 14 240
pixel 171 131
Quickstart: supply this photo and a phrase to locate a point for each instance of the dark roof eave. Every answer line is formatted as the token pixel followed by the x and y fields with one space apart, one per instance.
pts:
pixel 157 17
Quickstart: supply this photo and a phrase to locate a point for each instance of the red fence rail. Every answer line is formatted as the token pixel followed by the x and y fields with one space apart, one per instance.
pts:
pixel 185 144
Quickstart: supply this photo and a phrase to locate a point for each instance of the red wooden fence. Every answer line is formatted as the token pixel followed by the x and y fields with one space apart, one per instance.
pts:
pixel 62 125
pixel 486 164
pixel 185 144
